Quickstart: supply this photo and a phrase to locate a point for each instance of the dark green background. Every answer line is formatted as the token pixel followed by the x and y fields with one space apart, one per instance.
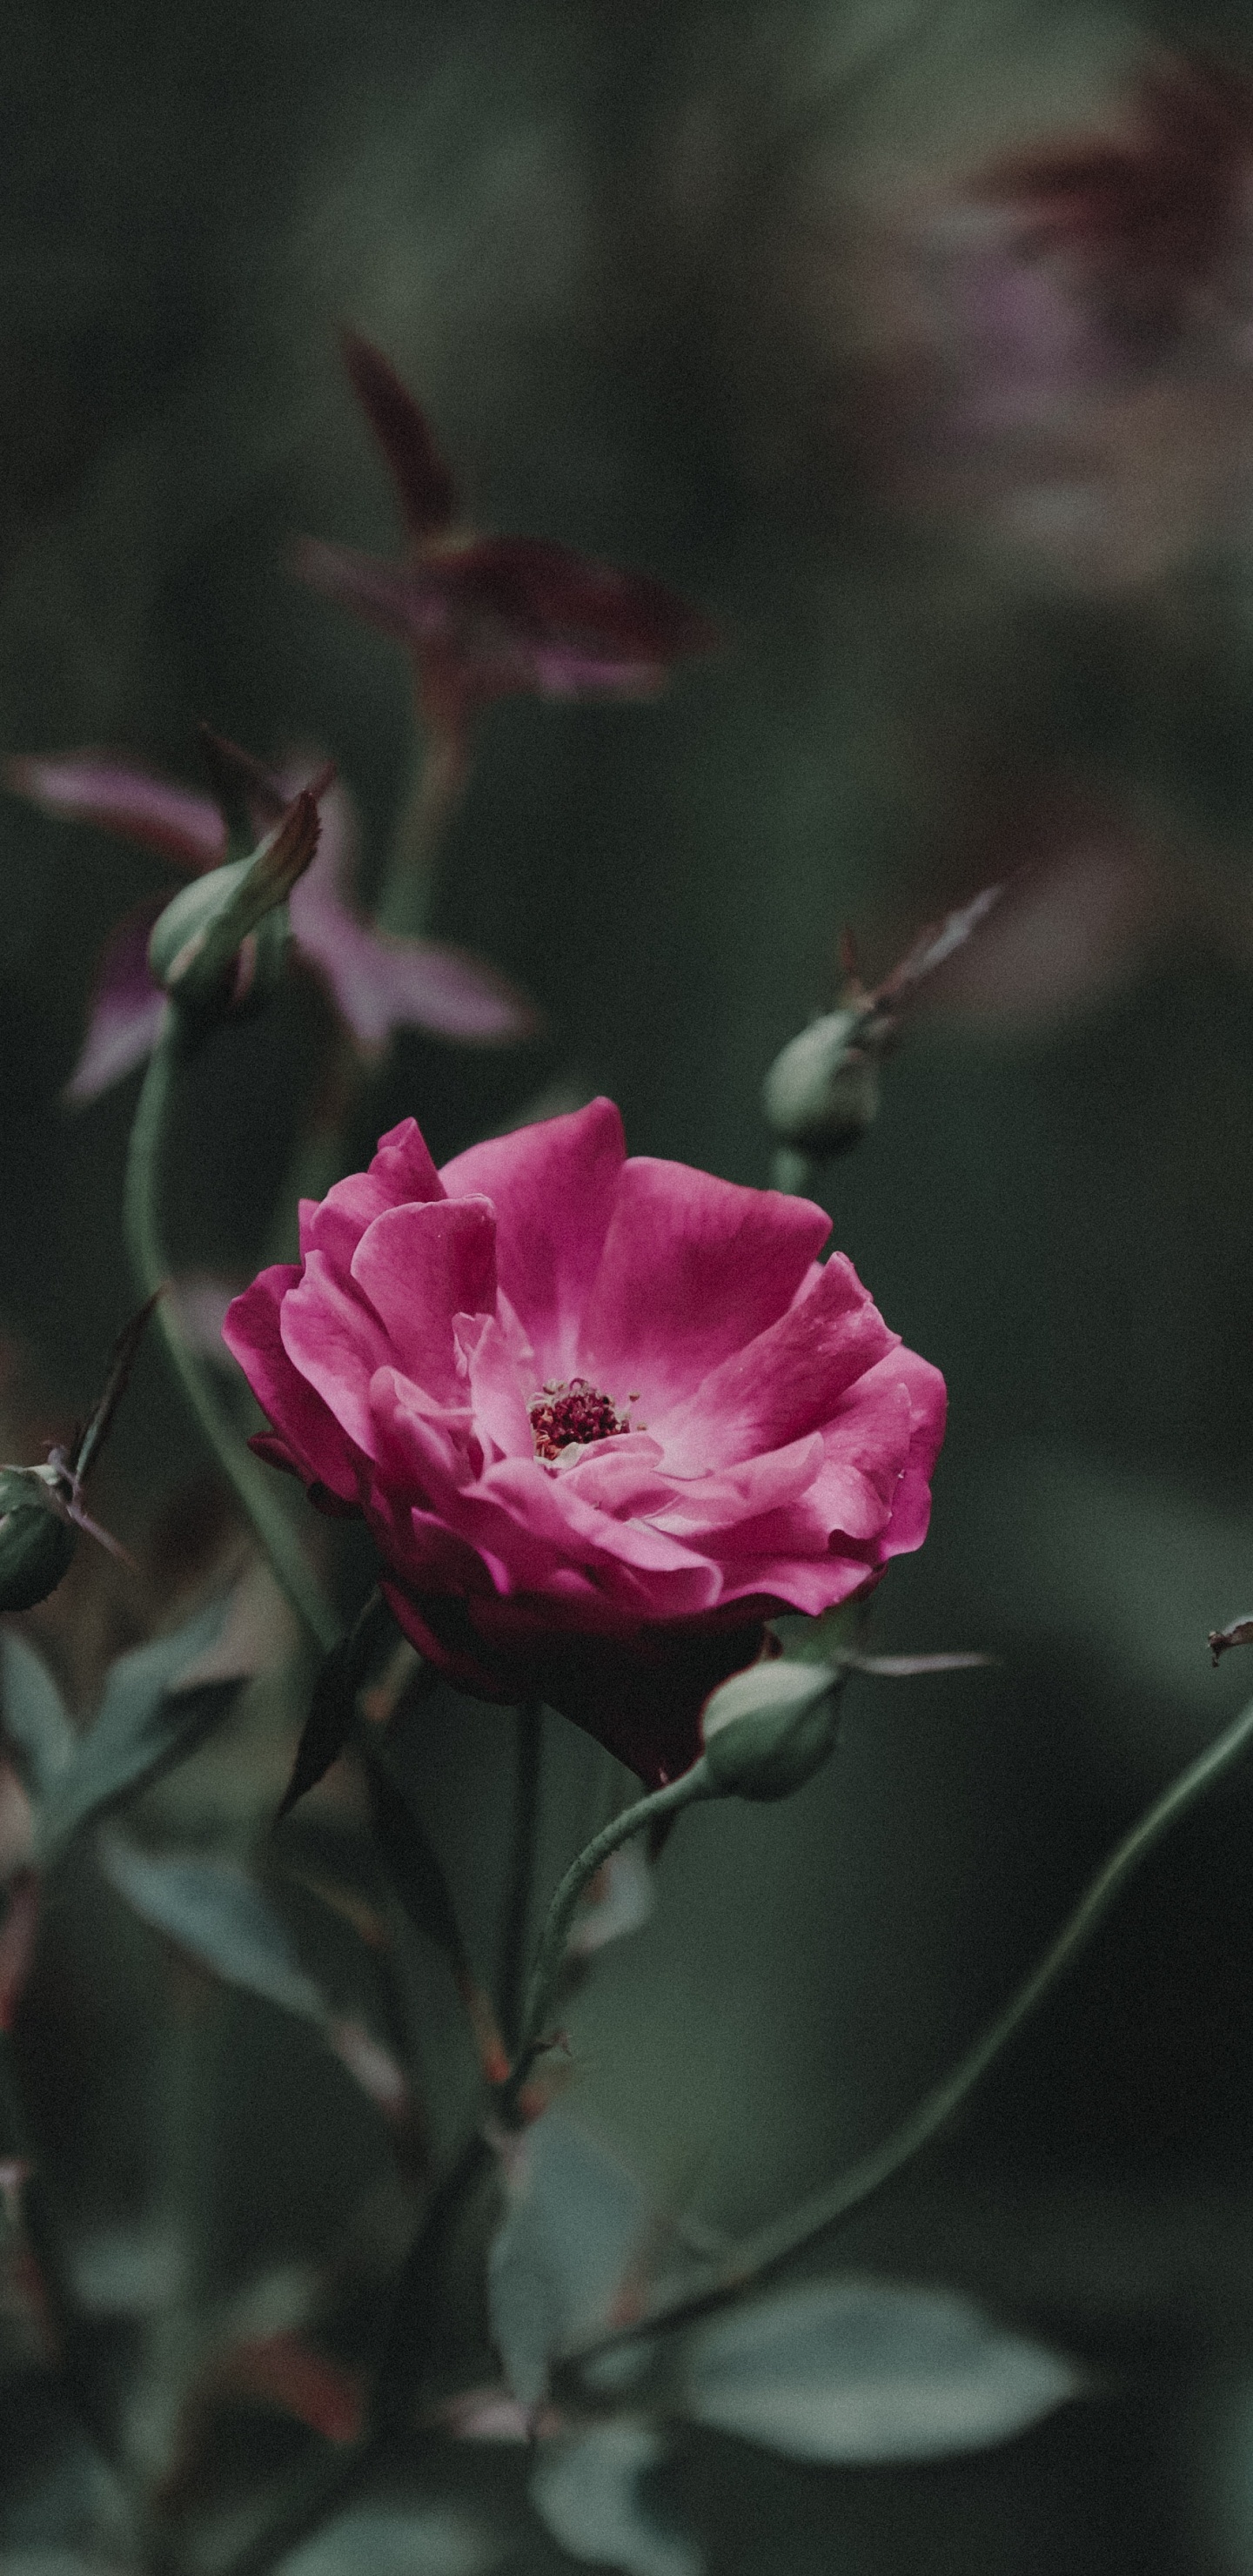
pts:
pixel 190 201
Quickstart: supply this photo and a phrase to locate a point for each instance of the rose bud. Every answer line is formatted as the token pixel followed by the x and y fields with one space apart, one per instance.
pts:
pixel 822 1091
pixel 767 1731
pixel 37 1540
pixel 178 937
pixel 42 1508
pixel 224 938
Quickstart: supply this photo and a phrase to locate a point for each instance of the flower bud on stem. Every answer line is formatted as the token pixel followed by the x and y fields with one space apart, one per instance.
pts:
pixel 42 1508
pixel 195 946
pixel 193 952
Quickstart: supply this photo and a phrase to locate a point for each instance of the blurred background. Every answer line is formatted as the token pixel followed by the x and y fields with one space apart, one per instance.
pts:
pixel 914 343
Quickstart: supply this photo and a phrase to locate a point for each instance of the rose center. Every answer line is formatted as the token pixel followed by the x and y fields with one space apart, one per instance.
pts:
pixel 575 1412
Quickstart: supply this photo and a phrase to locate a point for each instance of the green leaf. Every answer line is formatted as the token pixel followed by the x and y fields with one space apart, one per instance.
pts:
pixel 333 1706
pixel 225 1921
pixel 145 1724
pixel 35 1721
pixel 394 2539
pixel 122 1358
pixel 868 2371
pixel 576 2220
pixel 592 2495
pixel 218 1914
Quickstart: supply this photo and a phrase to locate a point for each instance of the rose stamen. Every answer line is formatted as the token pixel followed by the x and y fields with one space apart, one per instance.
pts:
pixel 575 1413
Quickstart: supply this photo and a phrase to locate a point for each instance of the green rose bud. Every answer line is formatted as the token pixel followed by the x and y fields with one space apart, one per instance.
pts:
pixel 822 1091
pixel 768 1730
pixel 223 939
pixel 177 945
pixel 37 1540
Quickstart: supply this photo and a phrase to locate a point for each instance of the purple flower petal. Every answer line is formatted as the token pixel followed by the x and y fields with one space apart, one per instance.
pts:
pixel 551 595
pixel 126 1008
pixel 502 615
pixel 428 495
pixel 121 796
pixel 379 982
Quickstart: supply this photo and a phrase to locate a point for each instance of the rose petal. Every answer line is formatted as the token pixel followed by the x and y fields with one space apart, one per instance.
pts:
pixel 122 796
pixel 713 1508
pixel 553 1187
pixel 125 1011
pixel 692 1269
pixel 789 1380
pixel 547 594
pixel 335 1343
pixel 637 1690
pixel 421 1265
pixel 401 1171
pixel 380 982
pixel 507 614
pixel 252 1333
pixel 497 1391
pixel 427 493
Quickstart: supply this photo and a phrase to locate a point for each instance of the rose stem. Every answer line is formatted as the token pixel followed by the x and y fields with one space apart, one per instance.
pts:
pixel 251 1482
pixel 399 2369
pixel 757 2256
pixel 310 2499
pixel 528 1757
pixel 435 788
pixel 44 2229
pixel 550 1956
pixel 438 777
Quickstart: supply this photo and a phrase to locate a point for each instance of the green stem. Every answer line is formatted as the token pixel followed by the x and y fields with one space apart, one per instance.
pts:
pixel 348 1085
pixel 43 2227
pixel 311 2498
pixel 550 1957
pixel 250 1481
pixel 528 1756
pixel 773 2245
pixel 434 793
pixel 317 1157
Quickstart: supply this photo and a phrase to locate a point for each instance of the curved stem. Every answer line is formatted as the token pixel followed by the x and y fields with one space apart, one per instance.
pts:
pixel 773 2245
pixel 528 1756
pixel 147 1252
pixel 550 1956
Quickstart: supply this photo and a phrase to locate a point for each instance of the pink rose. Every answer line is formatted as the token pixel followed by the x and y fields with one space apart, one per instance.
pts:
pixel 603 1417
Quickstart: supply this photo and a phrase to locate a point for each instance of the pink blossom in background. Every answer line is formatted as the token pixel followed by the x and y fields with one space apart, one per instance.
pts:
pixel 603 1417
pixel 487 617
pixel 376 981
pixel 1094 258
pixel 1075 378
